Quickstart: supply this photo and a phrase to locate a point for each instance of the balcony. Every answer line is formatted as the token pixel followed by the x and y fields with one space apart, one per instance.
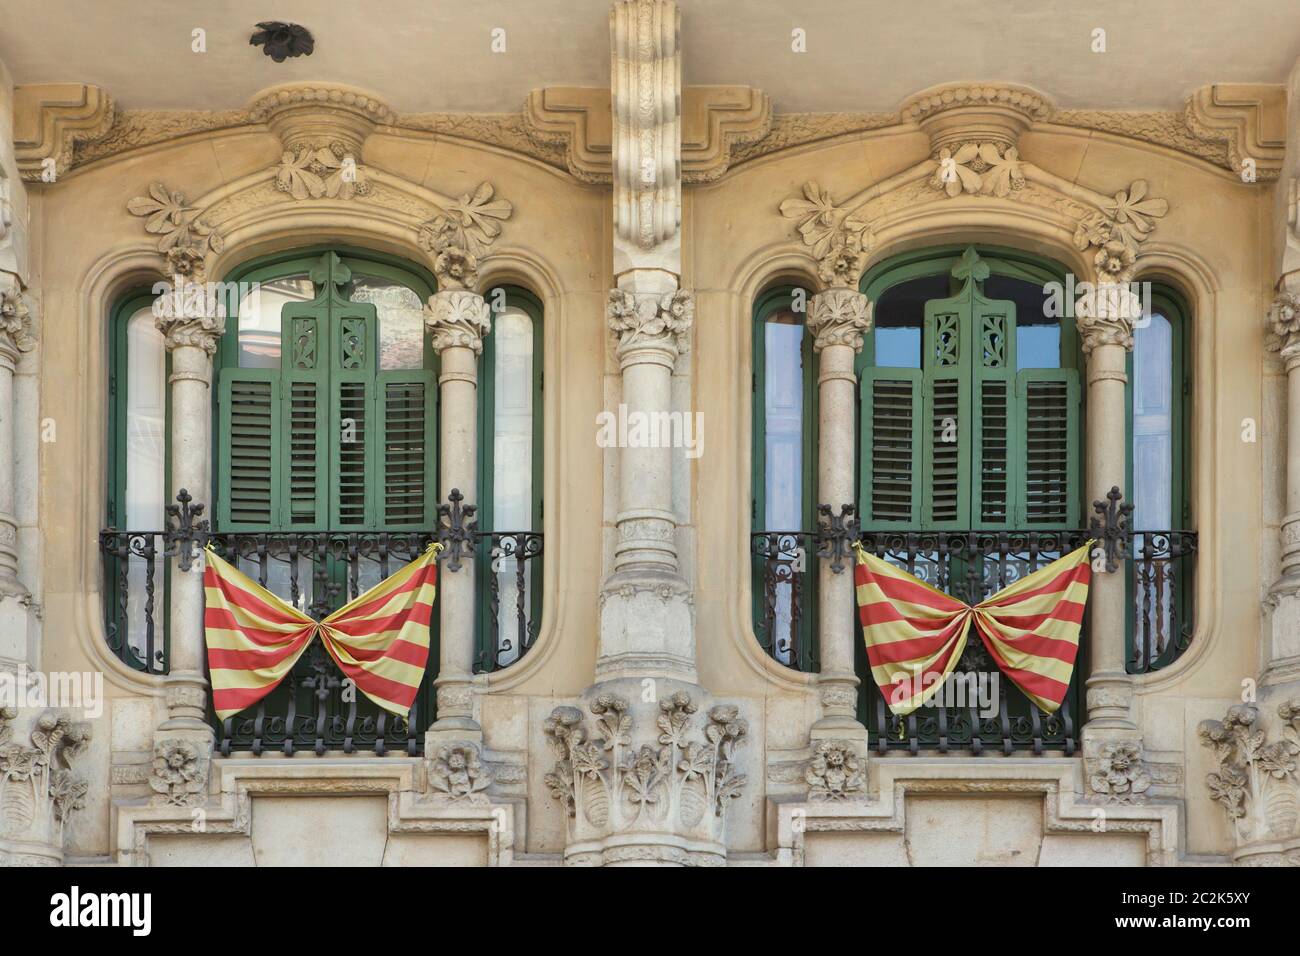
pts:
pixel 313 709
pixel 978 711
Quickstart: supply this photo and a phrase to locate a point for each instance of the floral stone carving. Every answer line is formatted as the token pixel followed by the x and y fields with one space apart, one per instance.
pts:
pixel 313 172
pixel 982 169
pixel 462 233
pixel 458 771
pixel 1256 782
pixel 38 791
pixel 647 319
pixel 609 783
pixel 179 776
pixel 16 321
pixel 183 238
pixel 835 772
pixel 1120 775
pixel 838 239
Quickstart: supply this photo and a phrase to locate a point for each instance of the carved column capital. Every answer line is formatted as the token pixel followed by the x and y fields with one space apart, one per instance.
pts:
pixel 190 315
pixel 1106 315
pixel 1284 328
pixel 38 790
pixel 17 333
pixel 651 320
pixel 839 317
pixel 457 318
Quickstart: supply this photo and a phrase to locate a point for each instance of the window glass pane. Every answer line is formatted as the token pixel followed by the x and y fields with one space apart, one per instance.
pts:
pixel 512 451
pixel 1153 442
pixel 783 404
pixel 146 475
pixel 259 318
pixel 899 316
pixel 1038 327
pixel 401 320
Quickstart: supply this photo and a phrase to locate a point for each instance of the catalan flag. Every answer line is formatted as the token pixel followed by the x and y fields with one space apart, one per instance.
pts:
pixel 915 634
pixel 380 640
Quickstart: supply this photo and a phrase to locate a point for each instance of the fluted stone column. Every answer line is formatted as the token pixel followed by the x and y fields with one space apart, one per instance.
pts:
pixel 1105 323
pixel 191 325
pixel 457 320
pixel 838 319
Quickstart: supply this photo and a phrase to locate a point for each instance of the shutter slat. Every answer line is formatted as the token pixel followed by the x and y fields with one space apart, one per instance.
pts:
pixel 891 413
pixel 1049 411
pixel 247 445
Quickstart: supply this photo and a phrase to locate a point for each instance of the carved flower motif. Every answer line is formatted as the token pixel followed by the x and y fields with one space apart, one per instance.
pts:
pixel 1121 773
pixel 1132 212
pixel 15 319
pixel 185 240
pixel 1093 230
pixel 470 223
pixel 1283 320
pixel 837 238
pixel 324 171
pixel 178 772
pixel 1114 258
pixel 640 318
pixel 458 771
pixel 835 772
pixel 280 40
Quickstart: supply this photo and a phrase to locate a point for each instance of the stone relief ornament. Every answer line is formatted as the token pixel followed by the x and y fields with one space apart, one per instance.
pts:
pixel 315 172
pixel 1256 781
pixel 838 240
pixel 1106 314
pixel 183 238
pixel 1121 774
pixel 16 320
pixel 983 169
pixel 835 772
pixel 839 317
pixel 179 777
pixel 648 319
pixel 458 771
pixel 282 40
pixel 1284 323
pixel 607 782
pixel 1117 229
pixel 456 318
pixel 462 233
pixel 38 790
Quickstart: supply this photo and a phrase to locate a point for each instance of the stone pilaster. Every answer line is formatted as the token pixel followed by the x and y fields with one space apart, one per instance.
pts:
pixel 838 319
pixel 16 337
pixel 457 320
pixel 1283 655
pixel 1106 317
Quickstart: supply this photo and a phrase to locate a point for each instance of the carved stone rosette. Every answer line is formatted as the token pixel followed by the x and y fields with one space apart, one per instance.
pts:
pixel 646 784
pixel 839 317
pixel 1284 328
pixel 1256 783
pixel 17 333
pixel 179 773
pixel 38 791
pixel 184 239
pixel 456 318
pixel 837 771
pixel 461 234
pixel 1118 773
pixel 457 772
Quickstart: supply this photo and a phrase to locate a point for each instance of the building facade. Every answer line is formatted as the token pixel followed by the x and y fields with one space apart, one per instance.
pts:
pixel 646 357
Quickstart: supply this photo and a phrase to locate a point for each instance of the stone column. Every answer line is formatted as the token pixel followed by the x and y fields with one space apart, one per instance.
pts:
pixel 838 319
pixel 457 320
pixel 1284 596
pixel 15 338
pixel 1105 323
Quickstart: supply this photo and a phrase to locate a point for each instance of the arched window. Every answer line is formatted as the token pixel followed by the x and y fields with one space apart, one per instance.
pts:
pixel 970 465
pixel 1158 391
pixel 138 456
pixel 784 485
pixel 510 479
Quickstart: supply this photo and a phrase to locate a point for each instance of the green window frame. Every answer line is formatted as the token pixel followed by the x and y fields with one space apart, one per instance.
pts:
pixel 1169 304
pixel 488 648
pixel 802 655
pixel 116 619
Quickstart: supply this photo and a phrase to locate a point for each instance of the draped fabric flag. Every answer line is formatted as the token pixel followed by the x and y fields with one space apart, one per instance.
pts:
pixel 915 634
pixel 380 640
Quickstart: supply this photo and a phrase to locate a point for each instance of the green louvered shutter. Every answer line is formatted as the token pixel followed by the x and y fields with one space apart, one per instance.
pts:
pixel 946 386
pixel 305 351
pixel 891 421
pixel 1047 448
pixel 994 422
pixel 407 436
pixel 354 426
pixel 248 403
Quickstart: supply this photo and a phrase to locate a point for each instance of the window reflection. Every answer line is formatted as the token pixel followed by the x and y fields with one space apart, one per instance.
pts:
pixel 1153 425
pixel 146 459
pixel 259 318
pixel 512 452
pixel 401 320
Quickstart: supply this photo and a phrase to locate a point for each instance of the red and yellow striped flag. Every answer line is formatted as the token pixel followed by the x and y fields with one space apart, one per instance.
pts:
pixel 380 640
pixel 915 634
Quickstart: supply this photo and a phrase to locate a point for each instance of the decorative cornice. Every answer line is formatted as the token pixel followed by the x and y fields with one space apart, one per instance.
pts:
pixel 50 120
pixel 954 113
pixel 1249 118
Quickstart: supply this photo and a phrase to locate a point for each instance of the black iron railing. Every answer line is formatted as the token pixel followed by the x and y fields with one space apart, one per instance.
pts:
pixel 981 711
pixel 314 709
pixel 509 563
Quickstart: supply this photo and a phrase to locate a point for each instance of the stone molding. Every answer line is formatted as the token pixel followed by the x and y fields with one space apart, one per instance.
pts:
pixel 411 809
pixel 1058 780
pixel 570 128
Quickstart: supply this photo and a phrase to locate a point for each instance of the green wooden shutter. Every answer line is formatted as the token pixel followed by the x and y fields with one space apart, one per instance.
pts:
pixel 354 427
pixel 1047 447
pixel 249 412
pixel 946 387
pixel 891 423
pixel 407 435
pixel 994 422
pixel 305 350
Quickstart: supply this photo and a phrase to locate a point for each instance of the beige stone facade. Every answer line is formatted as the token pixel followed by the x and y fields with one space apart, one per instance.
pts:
pixel 648 216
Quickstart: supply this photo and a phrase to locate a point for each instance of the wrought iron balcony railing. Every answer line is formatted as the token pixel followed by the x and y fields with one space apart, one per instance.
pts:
pixel 981 711
pixel 314 708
